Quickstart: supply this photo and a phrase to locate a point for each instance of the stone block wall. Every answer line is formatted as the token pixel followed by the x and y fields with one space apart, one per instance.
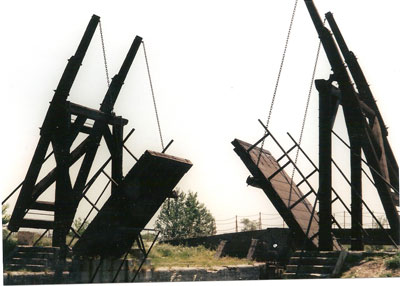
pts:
pixel 273 243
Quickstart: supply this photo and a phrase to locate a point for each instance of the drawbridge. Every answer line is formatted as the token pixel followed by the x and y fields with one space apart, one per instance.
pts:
pixel 135 196
pixel 369 150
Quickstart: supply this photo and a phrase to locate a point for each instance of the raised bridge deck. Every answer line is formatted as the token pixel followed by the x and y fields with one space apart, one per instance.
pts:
pixel 281 191
pixel 128 210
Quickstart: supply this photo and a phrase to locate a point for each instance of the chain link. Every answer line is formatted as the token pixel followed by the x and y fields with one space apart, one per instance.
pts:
pixel 104 53
pixel 305 117
pixel 152 93
pixel 278 78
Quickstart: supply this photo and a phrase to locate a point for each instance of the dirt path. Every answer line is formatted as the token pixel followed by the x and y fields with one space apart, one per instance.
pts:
pixel 370 267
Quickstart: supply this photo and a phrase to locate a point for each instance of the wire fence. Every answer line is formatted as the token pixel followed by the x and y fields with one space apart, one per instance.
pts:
pixel 261 221
pixel 249 222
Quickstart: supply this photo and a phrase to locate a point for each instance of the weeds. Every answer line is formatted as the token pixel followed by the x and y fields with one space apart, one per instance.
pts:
pixel 394 262
pixel 165 255
pixel 8 246
pixel 386 275
pixel 44 241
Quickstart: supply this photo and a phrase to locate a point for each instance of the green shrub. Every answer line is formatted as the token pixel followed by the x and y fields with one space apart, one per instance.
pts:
pixel 394 262
pixel 353 258
pixel 8 246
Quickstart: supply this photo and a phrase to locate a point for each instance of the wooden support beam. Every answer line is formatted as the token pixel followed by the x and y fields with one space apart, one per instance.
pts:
pixel 325 166
pixel 287 152
pixel 64 197
pixel 300 199
pixel 168 145
pixel 106 107
pixel 278 171
pixel 258 142
pixel 43 206
pixel 50 178
pixel 108 137
pixel 75 129
pixel 85 129
pixel 94 114
pixel 33 223
pixel 117 159
pixel 57 107
pixel 306 178
pixel 356 197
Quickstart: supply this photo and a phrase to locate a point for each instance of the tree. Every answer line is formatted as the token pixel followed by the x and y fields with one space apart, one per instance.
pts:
pixel 5 218
pixel 185 217
pixel 249 225
pixel 77 226
pixel 10 243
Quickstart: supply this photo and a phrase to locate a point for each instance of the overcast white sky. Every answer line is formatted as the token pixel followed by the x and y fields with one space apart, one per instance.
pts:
pixel 214 66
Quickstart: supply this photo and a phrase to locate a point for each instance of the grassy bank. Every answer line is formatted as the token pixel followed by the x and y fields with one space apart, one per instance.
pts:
pixel 165 255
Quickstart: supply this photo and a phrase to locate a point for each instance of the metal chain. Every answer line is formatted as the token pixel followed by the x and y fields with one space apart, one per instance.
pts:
pixel 305 117
pixel 152 93
pixel 104 54
pixel 279 77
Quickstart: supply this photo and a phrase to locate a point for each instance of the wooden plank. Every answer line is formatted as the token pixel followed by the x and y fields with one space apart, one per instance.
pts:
pixel 132 205
pixel 221 249
pixel 43 206
pixel 252 249
pixel 40 224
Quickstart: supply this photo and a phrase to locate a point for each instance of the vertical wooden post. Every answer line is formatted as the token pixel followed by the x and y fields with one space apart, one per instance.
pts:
pixel 116 165
pixel 64 198
pixel 325 170
pixel 356 196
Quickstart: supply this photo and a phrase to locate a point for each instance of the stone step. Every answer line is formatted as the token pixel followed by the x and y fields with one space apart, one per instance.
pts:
pixel 29 260
pixel 41 249
pixel 305 276
pixel 28 267
pixel 299 253
pixel 39 255
pixel 41 265
pixel 320 269
pixel 313 260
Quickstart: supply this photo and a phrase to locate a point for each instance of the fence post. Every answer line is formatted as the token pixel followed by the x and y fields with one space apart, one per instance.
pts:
pixel 236 225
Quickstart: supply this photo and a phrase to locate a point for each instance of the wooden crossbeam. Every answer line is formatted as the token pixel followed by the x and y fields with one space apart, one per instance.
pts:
pixel 94 114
